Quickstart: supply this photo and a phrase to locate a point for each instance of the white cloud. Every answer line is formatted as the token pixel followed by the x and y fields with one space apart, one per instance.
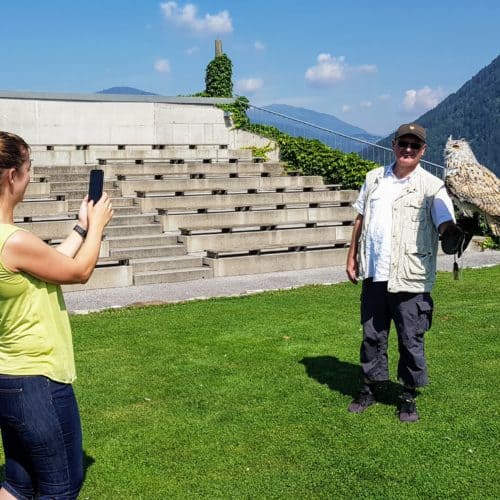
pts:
pixel 249 85
pixel 162 66
pixel 423 99
pixel 346 108
pixel 366 104
pixel 187 16
pixel 330 70
pixel 259 46
pixel 191 50
pixel 384 97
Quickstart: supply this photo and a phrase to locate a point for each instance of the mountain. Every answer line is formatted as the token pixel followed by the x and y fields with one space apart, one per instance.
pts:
pixel 124 90
pixel 323 120
pixel 471 113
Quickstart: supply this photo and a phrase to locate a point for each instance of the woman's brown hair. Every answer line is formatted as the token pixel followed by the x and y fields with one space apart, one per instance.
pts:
pixel 13 150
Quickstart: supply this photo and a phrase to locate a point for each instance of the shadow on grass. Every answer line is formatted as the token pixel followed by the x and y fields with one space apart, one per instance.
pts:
pixel 88 461
pixel 344 377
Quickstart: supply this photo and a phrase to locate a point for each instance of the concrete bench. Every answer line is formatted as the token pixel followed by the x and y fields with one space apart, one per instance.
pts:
pixel 114 274
pixel 223 200
pixel 29 209
pixel 129 188
pixel 277 261
pixel 299 247
pixel 197 192
pixel 191 231
pixel 252 240
pixel 242 169
pixel 37 189
pixel 47 230
pixel 266 216
pixel 237 228
pixel 91 154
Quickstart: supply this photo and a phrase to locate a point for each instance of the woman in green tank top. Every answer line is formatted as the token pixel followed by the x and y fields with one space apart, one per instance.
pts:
pixel 39 419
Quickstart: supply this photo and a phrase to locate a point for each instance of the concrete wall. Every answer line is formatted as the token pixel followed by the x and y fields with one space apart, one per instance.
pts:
pixel 99 119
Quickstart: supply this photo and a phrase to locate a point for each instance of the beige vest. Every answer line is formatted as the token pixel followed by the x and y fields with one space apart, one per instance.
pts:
pixel 414 238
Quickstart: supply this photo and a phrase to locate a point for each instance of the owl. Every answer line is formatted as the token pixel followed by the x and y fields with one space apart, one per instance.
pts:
pixel 473 187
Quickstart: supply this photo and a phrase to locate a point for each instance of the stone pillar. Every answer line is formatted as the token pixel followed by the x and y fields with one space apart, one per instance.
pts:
pixel 218 48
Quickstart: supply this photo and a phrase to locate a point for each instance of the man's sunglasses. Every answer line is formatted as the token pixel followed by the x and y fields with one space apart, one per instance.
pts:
pixel 413 145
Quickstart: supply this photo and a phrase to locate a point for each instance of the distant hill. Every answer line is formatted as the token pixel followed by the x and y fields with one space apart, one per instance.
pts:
pixel 471 113
pixel 125 90
pixel 324 120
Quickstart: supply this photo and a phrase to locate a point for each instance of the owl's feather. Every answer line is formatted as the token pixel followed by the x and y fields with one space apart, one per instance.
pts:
pixel 475 188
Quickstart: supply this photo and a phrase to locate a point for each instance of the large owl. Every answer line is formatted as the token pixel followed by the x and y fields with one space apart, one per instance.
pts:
pixel 474 188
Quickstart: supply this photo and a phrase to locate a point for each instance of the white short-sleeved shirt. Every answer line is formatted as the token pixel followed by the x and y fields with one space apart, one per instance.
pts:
pixel 378 237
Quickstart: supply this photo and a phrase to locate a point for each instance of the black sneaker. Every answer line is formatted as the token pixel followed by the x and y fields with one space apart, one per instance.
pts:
pixel 361 402
pixel 408 410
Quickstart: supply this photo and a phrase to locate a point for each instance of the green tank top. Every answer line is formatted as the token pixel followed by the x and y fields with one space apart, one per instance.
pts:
pixel 35 333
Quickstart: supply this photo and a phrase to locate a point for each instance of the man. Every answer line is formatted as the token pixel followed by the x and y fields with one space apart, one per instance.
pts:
pixel 402 209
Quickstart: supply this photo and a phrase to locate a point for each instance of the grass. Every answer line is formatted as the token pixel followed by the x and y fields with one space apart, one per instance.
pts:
pixel 246 398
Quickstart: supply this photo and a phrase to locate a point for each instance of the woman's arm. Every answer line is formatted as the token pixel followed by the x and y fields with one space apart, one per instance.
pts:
pixel 25 252
pixel 73 242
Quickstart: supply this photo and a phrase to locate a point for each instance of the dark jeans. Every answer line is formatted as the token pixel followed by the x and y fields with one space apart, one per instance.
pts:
pixel 412 317
pixel 42 438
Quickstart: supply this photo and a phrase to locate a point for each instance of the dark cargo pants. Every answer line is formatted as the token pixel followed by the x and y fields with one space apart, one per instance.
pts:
pixel 412 317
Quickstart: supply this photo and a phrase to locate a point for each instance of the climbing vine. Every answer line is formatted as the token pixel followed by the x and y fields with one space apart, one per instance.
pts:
pixel 218 77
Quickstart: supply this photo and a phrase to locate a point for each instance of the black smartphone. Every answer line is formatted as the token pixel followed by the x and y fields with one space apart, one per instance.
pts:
pixel 96 182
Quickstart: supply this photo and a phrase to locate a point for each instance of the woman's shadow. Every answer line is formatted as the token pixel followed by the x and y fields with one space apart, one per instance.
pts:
pixel 343 377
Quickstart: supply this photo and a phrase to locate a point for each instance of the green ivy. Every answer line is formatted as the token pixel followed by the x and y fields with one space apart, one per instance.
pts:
pixel 238 110
pixel 312 157
pixel 218 77
pixel 261 152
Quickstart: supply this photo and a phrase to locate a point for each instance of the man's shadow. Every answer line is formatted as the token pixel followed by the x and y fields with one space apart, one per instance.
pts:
pixel 343 377
pixel 87 463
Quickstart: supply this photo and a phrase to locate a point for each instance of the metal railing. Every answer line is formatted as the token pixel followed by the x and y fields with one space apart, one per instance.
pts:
pixel 337 140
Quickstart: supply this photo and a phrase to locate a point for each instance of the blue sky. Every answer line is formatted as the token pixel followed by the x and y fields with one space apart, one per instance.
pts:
pixel 372 64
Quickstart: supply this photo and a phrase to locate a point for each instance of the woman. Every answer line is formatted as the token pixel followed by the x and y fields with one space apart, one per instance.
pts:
pixel 39 417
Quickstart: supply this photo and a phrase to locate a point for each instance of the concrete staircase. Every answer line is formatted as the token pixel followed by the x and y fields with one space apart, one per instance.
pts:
pixel 182 219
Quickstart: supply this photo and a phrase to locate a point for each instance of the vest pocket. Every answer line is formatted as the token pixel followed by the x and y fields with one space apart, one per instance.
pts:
pixel 416 262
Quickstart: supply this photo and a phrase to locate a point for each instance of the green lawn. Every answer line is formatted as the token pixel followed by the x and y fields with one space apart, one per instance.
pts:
pixel 246 398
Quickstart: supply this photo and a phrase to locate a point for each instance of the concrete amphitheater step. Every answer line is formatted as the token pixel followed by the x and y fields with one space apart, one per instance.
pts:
pixel 74 204
pixel 153 169
pixel 244 240
pixel 131 220
pixel 55 171
pixel 148 251
pixel 129 188
pixel 133 230
pixel 140 241
pixel 172 222
pixel 40 208
pixel 165 263
pixel 105 277
pixel 173 275
pixel 227 201
pixel 74 185
pixel 79 194
pixel 276 261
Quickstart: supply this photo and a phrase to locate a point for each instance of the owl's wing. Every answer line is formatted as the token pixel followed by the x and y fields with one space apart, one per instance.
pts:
pixel 476 185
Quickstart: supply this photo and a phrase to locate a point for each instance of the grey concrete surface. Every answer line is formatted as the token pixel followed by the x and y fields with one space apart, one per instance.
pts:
pixel 94 300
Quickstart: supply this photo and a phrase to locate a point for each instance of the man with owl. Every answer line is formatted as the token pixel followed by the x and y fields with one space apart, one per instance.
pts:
pixel 402 210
